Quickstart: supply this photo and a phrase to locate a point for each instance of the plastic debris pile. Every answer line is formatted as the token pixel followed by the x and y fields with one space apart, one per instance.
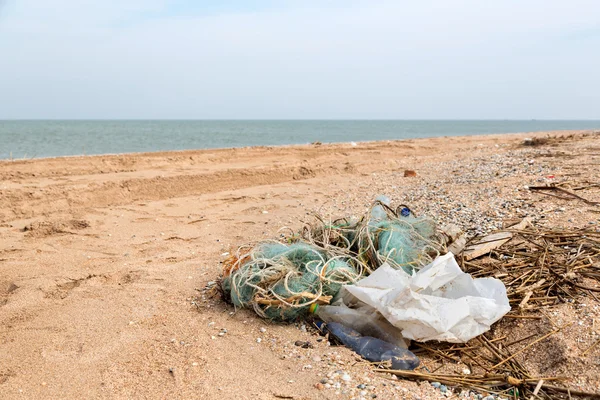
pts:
pixel 281 280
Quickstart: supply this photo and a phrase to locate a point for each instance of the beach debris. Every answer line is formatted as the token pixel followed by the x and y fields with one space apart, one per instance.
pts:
pixel 363 319
pixel 543 267
pixel 281 281
pixel 372 349
pixel 535 141
pixel 490 242
pixel 455 238
pixel 383 235
pixel 439 302
pixel 527 267
pixel 566 194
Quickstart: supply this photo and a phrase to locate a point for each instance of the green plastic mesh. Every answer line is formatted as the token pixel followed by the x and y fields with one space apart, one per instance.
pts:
pixel 399 238
pixel 281 281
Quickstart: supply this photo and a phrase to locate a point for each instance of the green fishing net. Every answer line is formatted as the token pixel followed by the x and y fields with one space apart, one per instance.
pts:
pixel 399 238
pixel 281 281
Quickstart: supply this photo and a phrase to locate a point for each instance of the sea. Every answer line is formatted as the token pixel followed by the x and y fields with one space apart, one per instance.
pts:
pixel 23 139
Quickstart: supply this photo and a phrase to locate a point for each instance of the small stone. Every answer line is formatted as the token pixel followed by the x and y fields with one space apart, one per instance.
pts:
pixel 258 340
pixel 363 393
pixel 346 377
pixel 319 386
pixel 443 388
pixel 303 328
pixel 263 330
pixel 195 364
pixel 316 359
pixel 324 380
pixel 303 344
pixel 327 386
pixel 361 386
pixel 436 385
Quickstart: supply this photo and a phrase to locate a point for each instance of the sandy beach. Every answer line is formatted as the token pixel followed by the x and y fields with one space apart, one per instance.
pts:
pixel 103 261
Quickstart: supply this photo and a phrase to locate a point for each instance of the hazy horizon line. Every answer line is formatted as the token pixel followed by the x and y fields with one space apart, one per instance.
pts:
pixel 293 119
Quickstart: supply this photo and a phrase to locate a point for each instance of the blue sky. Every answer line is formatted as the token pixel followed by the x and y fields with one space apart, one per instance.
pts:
pixel 432 59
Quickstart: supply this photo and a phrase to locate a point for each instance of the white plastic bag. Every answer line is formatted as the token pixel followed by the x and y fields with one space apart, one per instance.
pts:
pixel 439 302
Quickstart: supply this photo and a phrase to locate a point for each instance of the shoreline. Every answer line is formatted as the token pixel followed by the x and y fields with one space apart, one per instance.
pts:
pixel 160 153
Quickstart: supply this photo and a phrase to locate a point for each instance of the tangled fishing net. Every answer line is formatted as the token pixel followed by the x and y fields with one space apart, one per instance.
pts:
pixel 280 281
pixel 396 236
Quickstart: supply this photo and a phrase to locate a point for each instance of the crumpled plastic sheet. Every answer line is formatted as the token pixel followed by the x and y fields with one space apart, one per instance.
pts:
pixel 439 302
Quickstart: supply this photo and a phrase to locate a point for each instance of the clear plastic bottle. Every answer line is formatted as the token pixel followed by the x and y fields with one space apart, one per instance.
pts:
pixel 365 320
pixel 373 349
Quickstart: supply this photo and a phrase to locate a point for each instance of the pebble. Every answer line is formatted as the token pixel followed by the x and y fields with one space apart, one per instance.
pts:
pixel 303 344
pixel 361 386
pixel 263 330
pixel 319 386
pixel 258 340
pixel 436 385
pixel 316 359
pixel 346 377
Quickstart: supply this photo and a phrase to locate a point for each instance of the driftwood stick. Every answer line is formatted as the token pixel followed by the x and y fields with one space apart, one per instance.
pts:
pixel 558 189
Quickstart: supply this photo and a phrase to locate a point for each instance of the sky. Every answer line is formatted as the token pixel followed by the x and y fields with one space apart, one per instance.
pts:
pixel 305 59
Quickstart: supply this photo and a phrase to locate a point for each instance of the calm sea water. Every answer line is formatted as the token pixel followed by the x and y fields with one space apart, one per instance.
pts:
pixel 27 139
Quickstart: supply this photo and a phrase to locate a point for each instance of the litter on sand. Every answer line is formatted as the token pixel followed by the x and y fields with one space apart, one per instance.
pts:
pixel 281 280
pixel 439 302
pixel 378 282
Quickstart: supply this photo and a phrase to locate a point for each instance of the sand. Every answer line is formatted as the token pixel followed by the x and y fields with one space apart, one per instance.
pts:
pixel 103 260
